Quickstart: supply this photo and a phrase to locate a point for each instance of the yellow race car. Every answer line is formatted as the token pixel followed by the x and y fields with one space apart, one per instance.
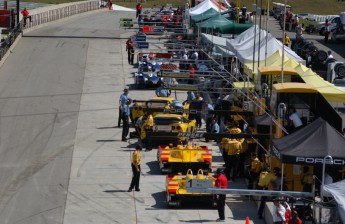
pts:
pixel 168 126
pixel 156 105
pixel 181 158
pixel 177 193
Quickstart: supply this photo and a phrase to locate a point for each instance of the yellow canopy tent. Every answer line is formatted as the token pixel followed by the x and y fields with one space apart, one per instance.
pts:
pixel 294 87
pixel 275 70
pixel 242 85
pixel 274 60
pixel 328 90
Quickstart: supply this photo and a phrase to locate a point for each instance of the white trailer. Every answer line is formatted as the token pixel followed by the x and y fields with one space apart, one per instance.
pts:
pixel 339 32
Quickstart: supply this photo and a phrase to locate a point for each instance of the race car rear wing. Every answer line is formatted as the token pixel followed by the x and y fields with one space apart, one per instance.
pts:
pixel 159 135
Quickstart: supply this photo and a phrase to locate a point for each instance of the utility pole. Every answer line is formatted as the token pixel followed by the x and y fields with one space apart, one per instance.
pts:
pixel 17 11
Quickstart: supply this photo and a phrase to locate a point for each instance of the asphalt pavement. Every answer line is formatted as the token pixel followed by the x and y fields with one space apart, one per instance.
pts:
pixel 62 158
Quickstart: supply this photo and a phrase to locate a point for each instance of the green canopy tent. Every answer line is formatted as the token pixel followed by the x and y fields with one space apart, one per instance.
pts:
pixel 204 16
pixel 213 23
pixel 233 28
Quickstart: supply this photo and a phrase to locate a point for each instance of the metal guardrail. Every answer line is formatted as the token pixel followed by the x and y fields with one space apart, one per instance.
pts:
pixel 51 14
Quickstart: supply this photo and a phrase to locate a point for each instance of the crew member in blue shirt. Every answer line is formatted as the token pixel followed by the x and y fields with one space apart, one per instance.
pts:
pixel 190 97
pixel 162 91
pixel 124 103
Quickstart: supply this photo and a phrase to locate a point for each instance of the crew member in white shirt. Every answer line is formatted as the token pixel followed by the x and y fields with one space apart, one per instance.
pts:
pixel 295 120
pixel 278 212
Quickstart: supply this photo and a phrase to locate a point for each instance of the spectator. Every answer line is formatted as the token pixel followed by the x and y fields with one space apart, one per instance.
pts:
pixel 299 32
pixel 110 4
pixel 278 212
pixel 295 219
pixel 130 51
pixel 26 16
pixel 327 30
pixel 288 212
pixel 139 8
pixel 296 20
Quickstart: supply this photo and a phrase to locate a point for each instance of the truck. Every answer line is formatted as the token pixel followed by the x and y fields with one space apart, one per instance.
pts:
pixel 338 33
pixel 336 74
pixel 333 20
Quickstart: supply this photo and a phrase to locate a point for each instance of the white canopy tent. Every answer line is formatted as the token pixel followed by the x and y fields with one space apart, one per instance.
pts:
pixel 203 7
pixel 338 193
pixel 243 46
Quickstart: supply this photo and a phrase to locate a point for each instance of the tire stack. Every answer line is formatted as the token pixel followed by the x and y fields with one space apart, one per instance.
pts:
pixel 339 70
pixel 318 58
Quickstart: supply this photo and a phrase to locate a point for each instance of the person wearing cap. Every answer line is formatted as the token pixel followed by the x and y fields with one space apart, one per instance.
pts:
pixel 221 182
pixel 124 103
pixel 278 212
pixel 135 163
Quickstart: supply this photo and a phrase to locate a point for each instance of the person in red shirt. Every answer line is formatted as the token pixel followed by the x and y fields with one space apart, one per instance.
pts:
pixel 139 8
pixel 191 74
pixel 288 213
pixel 110 4
pixel 221 182
pixel 130 51
pixel 295 219
pixel 26 16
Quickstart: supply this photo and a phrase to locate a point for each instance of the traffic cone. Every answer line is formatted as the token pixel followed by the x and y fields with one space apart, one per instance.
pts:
pixel 247 220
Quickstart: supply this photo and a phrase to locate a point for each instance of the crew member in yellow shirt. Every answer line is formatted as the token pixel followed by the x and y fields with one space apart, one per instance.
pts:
pixel 255 169
pixel 236 107
pixel 265 180
pixel 233 149
pixel 135 163
pixel 307 180
pixel 286 40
